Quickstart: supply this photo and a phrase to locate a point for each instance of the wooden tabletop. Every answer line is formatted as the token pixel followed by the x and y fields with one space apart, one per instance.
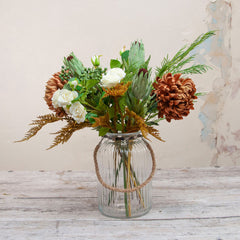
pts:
pixel 196 204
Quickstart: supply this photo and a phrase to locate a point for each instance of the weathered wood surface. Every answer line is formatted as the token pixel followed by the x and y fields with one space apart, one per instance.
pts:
pixel 196 204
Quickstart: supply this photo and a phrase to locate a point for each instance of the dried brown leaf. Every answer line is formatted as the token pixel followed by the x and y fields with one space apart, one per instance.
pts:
pixel 66 132
pixel 38 124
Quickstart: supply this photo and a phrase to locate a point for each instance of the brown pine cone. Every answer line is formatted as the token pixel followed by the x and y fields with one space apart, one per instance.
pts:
pixel 53 84
pixel 174 96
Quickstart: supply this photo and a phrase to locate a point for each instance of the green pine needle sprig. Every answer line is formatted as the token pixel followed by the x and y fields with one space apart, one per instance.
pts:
pixel 181 58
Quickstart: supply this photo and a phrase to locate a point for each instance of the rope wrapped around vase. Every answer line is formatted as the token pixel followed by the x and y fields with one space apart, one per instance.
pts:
pixel 125 190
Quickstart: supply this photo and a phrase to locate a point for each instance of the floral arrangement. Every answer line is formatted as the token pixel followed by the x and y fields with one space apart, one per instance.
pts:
pixel 124 98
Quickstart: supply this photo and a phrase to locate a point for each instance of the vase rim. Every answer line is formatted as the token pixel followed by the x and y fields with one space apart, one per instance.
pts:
pixel 123 136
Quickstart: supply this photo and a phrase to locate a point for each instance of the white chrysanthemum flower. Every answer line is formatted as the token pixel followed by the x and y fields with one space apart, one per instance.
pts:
pixel 78 112
pixel 63 97
pixel 112 77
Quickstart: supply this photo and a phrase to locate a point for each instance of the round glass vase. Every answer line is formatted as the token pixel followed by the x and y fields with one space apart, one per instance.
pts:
pixel 124 165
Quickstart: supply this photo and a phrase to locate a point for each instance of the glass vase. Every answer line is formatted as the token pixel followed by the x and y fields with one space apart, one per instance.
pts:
pixel 124 165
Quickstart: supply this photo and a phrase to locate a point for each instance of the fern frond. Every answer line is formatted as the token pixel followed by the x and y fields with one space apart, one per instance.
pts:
pixel 66 132
pixel 154 132
pixel 102 121
pixel 142 126
pixel 38 124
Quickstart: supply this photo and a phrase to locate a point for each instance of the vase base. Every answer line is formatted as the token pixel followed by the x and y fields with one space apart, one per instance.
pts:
pixel 122 215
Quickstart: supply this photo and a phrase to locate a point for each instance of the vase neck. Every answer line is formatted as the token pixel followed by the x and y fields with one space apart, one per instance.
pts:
pixel 123 136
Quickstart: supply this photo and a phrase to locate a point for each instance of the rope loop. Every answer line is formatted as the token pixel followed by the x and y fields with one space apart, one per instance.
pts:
pixel 125 190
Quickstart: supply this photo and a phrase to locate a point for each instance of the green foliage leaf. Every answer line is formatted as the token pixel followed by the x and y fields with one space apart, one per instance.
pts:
pixel 200 94
pixel 103 131
pixel 73 79
pixel 125 55
pixel 101 107
pixel 67 86
pixel 152 108
pixel 119 127
pixel 181 58
pixel 152 123
pixel 114 63
pixel 195 69
pixel 111 112
pixel 136 55
pixel 78 88
pixel 91 83
pixel 122 104
pixel 90 117
pixel 77 98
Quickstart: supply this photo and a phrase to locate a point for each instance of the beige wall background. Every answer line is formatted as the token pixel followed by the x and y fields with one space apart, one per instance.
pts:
pixel 35 35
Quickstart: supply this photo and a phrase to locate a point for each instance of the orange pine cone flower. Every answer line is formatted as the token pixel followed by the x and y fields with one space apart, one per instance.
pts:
pixel 117 91
pixel 174 96
pixel 53 84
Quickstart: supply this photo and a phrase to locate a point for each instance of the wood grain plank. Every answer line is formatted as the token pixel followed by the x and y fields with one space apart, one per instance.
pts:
pixel 187 204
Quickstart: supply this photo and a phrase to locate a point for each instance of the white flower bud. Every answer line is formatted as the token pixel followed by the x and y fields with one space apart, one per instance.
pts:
pixel 96 60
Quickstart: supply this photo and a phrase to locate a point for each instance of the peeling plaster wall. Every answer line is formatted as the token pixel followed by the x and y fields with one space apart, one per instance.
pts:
pixel 219 113
pixel 35 35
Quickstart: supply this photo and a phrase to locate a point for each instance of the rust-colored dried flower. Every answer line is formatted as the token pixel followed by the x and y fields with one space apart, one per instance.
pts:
pixel 53 84
pixel 174 96
pixel 118 90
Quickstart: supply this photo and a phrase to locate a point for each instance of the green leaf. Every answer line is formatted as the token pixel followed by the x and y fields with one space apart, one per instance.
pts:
pixel 122 104
pixel 74 79
pixel 119 127
pixel 145 65
pixel 67 86
pixel 201 94
pixel 90 117
pixel 195 69
pixel 78 88
pixel 125 55
pixel 90 83
pixel 77 98
pixel 151 123
pixel 101 107
pixel 153 106
pixel 136 55
pixel 114 63
pixel 111 112
pixel 103 131
pixel 154 122
pixel 181 58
